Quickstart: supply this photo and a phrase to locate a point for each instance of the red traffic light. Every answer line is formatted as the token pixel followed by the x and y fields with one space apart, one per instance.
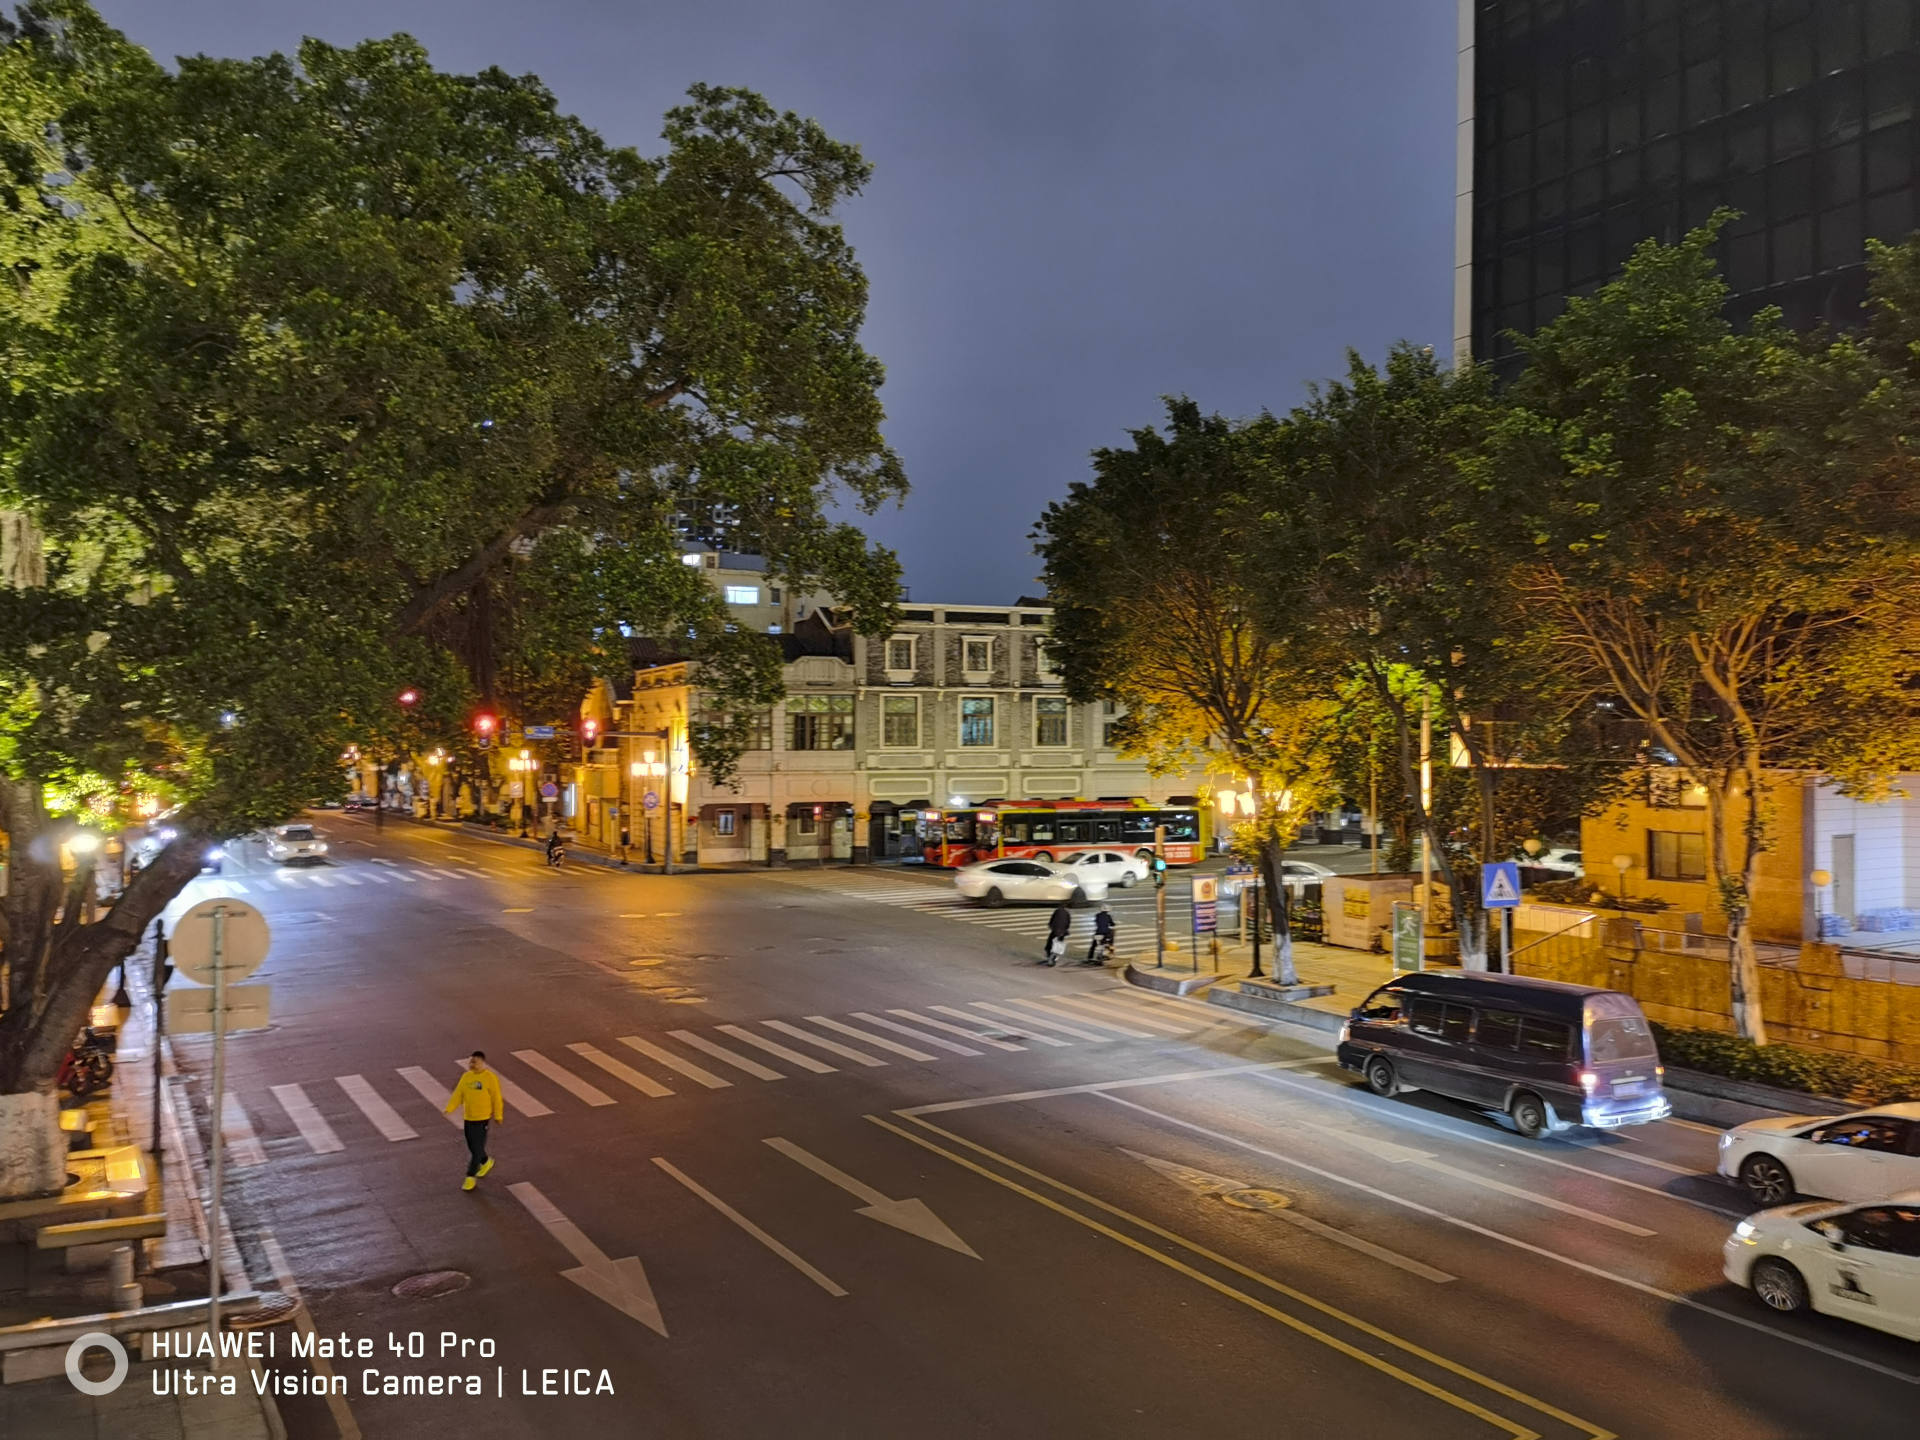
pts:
pixel 483 724
pixel 589 729
pixel 409 696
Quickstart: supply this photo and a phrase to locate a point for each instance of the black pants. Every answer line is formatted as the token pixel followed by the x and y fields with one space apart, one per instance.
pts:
pixel 476 1145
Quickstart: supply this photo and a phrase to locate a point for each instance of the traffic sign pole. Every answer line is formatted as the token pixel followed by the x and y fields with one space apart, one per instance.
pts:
pixel 219 1147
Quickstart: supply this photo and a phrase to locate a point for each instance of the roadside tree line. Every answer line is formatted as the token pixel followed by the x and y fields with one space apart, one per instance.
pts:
pixel 1698 539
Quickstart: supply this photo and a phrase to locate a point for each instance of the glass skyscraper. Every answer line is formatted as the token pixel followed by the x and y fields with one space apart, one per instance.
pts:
pixel 1589 125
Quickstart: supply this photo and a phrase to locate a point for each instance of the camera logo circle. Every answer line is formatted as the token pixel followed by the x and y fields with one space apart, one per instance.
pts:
pixel 96 1340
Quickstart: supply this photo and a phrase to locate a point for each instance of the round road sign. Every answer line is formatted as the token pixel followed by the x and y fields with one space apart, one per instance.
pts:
pixel 243 941
pixel 651 800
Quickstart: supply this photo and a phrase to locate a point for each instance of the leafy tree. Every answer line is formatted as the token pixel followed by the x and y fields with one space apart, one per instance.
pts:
pixel 1153 571
pixel 1726 541
pixel 335 374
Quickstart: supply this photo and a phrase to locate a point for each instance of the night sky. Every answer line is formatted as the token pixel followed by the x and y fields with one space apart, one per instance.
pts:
pixel 1077 207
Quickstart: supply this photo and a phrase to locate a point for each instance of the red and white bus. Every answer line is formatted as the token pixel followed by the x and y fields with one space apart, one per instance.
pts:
pixel 1054 829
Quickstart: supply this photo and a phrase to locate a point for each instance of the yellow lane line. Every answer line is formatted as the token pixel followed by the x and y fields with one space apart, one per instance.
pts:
pixel 1313 1332
pixel 1386 1336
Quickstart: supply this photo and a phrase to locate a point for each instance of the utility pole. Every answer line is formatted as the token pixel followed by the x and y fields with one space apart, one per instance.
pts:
pixel 1426 821
pixel 1373 808
pixel 1160 894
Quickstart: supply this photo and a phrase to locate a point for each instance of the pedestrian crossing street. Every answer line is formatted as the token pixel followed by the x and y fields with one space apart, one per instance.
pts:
pixel 328 1115
pixel 346 876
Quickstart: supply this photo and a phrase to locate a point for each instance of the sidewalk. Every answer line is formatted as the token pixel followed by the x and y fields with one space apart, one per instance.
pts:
pixel 35 1286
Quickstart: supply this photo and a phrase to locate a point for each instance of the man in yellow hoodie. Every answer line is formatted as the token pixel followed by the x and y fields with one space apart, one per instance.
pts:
pixel 478 1093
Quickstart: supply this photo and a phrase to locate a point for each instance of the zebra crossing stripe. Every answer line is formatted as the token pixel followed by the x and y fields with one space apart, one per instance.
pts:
pixel 381 1115
pixel 832 1047
pixel 792 1057
pixel 1025 1019
pixel 673 1062
pixel 720 1052
pixel 1073 1008
pixel 893 1045
pixel 1026 1034
pixel 429 1090
pixel 562 1077
pixel 311 1124
pixel 956 1030
pixel 924 1038
pixel 645 1084
pixel 242 1143
pixel 520 1099
pixel 1104 1004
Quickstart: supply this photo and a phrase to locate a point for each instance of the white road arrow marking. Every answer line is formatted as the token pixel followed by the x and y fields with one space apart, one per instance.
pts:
pixel 912 1216
pixel 1252 1197
pixel 621 1283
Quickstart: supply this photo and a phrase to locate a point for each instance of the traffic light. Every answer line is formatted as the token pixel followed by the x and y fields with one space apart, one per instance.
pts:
pixel 483 726
pixel 588 729
pixel 1159 871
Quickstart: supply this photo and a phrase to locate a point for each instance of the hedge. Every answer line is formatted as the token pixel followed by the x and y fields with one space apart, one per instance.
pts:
pixel 1854 1078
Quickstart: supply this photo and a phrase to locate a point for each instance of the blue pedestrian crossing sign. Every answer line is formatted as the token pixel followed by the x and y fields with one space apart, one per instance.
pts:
pixel 1500 885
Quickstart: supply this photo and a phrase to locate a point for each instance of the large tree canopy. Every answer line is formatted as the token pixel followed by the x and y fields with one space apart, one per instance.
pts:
pixel 334 374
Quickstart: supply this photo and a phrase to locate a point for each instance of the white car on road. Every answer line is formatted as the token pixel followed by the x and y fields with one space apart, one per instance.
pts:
pixel 1860 1262
pixel 994 882
pixel 1112 867
pixel 1296 875
pixel 1862 1156
pixel 296 842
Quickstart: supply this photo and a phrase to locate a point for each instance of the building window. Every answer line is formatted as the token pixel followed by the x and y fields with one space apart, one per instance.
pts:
pixel 773 594
pixel 976 655
pixel 723 822
pixel 900 653
pixel 1676 855
pixel 803 822
pixel 743 594
pixel 976 720
pixel 1050 720
pixel 1046 661
pixel 900 721
pixel 756 729
pixel 821 722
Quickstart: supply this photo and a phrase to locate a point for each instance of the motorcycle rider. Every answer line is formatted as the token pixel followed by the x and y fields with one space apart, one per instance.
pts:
pixel 556 847
pixel 1102 944
pixel 1057 929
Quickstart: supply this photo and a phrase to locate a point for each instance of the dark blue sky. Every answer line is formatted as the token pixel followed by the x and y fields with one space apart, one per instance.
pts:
pixel 1077 207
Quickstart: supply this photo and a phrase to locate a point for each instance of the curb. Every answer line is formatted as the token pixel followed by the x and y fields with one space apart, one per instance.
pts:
pixel 1293 1013
pixel 1166 984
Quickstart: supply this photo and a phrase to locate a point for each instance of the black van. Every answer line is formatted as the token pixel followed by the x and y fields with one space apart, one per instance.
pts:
pixel 1548 1054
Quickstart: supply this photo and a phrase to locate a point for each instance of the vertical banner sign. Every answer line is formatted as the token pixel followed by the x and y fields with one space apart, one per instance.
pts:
pixel 1408 939
pixel 1206 904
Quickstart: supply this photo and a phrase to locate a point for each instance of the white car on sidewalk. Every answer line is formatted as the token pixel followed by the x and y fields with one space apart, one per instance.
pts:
pixel 1112 867
pixel 1862 1156
pixel 295 842
pixel 995 882
pixel 1860 1262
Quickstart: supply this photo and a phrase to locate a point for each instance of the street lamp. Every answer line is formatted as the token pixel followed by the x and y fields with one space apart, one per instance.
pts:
pixel 1820 880
pixel 1623 863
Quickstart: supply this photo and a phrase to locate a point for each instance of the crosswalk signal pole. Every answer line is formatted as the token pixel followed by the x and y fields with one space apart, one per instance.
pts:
pixel 1160 894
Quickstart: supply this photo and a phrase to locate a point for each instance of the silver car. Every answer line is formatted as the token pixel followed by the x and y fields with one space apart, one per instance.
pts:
pixel 295 842
pixel 995 882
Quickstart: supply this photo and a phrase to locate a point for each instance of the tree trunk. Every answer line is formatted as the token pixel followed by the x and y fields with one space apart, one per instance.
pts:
pixel 1273 854
pixel 1735 889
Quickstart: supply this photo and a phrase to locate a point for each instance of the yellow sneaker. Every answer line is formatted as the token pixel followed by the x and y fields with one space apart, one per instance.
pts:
pixel 468 1183
pixel 485 1165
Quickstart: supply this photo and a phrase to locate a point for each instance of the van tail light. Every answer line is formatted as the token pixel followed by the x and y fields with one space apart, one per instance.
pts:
pixel 1589 1081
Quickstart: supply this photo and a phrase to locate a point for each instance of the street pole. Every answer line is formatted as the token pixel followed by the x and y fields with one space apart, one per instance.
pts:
pixel 1254 974
pixel 1373 803
pixel 159 1033
pixel 1159 895
pixel 218 1166
pixel 1426 822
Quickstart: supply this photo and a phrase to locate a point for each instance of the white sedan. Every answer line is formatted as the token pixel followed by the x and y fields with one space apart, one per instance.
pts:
pixel 1861 1262
pixel 296 842
pixel 1861 1156
pixel 994 882
pixel 1111 867
pixel 1296 875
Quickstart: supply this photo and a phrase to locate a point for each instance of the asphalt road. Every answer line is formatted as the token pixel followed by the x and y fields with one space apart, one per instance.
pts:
pixel 821 1153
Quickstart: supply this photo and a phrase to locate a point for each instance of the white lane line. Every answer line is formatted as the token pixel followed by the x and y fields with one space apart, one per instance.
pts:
pixel 912 1034
pixel 376 877
pixel 1502 1237
pixel 1200 1011
pixel 1050 1001
pixel 518 1098
pixel 892 1045
pixel 347 877
pixel 832 1047
pixel 1098 1087
pixel 973 1035
pixel 242 1143
pixel 343 1420
pixel 1025 1019
pixel 430 1091
pixel 325 882
pixel 381 1115
pixel 1026 1032
pixel 564 1078
pixel 645 1084
pixel 792 1057
pixel 382 860
pixel 311 1124
pixel 673 1062
pixel 752 1229
pixel 1102 1005
pixel 720 1052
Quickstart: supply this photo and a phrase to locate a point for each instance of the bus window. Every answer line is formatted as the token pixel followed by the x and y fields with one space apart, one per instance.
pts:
pixel 1136 830
pixel 1070 832
pixel 1016 832
pixel 1182 825
pixel 1041 834
pixel 1106 832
